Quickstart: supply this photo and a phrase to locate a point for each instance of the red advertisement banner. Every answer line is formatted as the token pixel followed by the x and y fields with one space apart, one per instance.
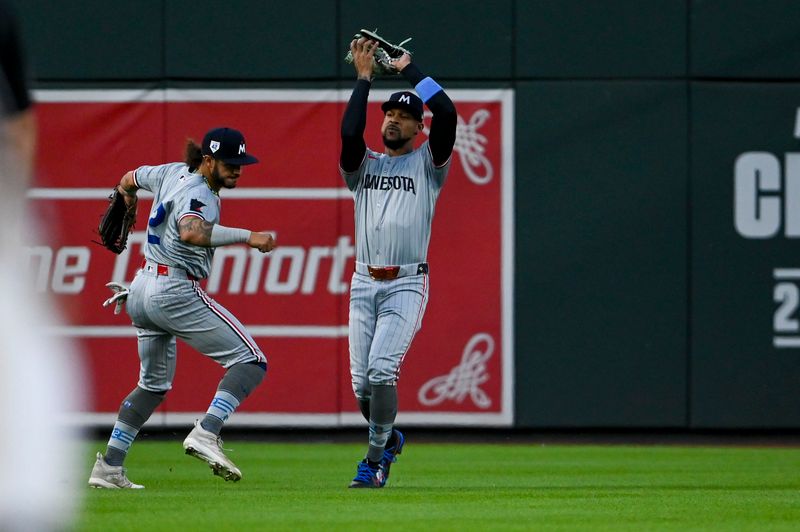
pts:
pixel 294 301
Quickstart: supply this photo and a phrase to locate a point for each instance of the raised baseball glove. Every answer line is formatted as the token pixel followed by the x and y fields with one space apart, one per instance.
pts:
pixel 117 222
pixel 384 55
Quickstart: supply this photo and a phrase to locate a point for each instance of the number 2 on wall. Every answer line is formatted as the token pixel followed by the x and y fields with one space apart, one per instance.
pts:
pixel 788 295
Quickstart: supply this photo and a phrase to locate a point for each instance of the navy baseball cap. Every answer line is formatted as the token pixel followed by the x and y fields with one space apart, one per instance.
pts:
pixel 408 101
pixel 227 145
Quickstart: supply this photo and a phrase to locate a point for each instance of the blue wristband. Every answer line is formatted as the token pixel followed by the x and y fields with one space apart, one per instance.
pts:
pixel 427 89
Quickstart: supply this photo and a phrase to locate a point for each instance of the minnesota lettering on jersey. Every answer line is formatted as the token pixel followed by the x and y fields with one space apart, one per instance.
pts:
pixel 385 182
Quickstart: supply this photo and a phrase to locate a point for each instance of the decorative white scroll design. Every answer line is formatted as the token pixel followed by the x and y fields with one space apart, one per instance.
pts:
pixel 464 379
pixel 471 146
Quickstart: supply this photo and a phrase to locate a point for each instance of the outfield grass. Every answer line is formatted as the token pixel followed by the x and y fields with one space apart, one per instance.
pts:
pixel 456 487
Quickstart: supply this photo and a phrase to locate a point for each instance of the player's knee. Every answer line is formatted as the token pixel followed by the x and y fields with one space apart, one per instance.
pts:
pixel 377 377
pixel 361 389
pixel 160 387
pixel 259 370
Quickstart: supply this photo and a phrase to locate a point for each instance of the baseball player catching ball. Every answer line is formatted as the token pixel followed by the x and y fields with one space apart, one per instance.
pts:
pixel 166 301
pixel 395 193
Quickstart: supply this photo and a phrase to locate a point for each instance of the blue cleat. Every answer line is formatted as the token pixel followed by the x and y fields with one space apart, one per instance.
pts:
pixel 390 455
pixel 366 477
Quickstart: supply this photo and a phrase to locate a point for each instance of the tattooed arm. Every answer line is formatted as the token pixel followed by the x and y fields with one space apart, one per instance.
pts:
pixel 195 231
pixel 198 232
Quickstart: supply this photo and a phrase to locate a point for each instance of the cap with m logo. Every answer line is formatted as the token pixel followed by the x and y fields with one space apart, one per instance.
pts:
pixel 227 145
pixel 405 100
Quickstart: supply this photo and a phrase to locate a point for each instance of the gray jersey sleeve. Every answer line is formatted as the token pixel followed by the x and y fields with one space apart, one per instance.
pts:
pixel 352 179
pixel 151 178
pixel 200 202
pixel 438 174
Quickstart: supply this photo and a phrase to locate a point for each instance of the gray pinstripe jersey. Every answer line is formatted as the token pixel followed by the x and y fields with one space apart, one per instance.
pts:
pixel 178 193
pixel 395 199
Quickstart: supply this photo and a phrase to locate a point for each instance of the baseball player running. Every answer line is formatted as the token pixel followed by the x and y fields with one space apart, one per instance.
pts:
pixel 166 301
pixel 395 193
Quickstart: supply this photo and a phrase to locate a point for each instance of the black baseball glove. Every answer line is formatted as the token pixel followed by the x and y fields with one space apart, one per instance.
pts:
pixel 384 55
pixel 117 222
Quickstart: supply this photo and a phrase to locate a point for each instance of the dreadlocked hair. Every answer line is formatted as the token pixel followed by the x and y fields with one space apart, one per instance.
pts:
pixel 194 155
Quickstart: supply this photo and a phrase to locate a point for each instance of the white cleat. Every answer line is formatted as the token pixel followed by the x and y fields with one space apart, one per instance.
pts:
pixel 110 477
pixel 207 446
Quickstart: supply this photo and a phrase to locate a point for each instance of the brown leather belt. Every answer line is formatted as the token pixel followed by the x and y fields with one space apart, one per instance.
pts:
pixel 383 273
pixel 388 273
